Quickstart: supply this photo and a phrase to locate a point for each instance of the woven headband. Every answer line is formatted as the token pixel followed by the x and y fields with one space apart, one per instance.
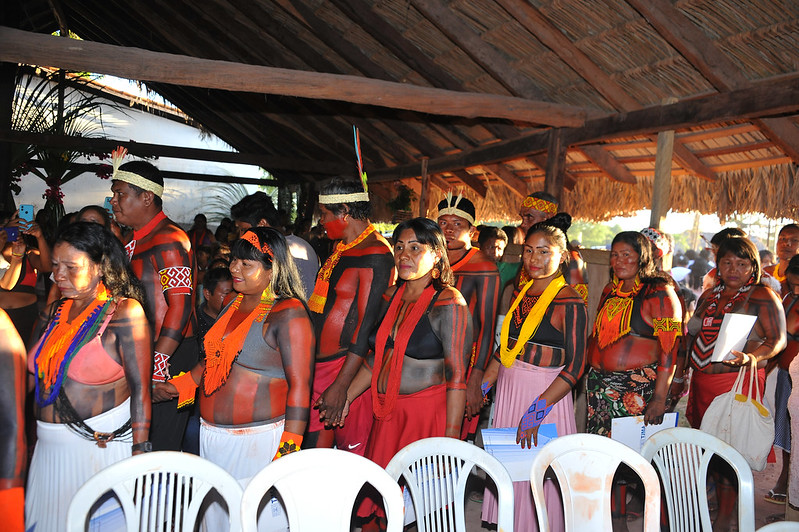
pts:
pixel 657 238
pixel 129 177
pixel 333 199
pixel 540 205
pixel 452 208
pixel 252 238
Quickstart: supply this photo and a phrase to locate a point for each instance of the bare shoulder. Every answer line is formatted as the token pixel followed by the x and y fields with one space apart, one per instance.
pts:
pixel 762 293
pixel 390 291
pixel 450 296
pixel 128 308
pixel 568 295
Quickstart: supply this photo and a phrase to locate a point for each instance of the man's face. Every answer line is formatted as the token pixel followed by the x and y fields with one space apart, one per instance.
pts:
pixel 531 216
pixel 493 248
pixel 457 231
pixel 787 244
pixel 129 207
pixel 215 300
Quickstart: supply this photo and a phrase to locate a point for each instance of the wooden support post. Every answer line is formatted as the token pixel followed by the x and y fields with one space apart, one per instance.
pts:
pixel 424 196
pixel 556 164
pixel 661 188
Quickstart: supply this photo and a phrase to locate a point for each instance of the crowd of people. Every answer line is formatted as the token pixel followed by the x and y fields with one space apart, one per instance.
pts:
pixel 248 343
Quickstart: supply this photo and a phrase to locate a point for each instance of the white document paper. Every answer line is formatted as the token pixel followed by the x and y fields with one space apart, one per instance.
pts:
pixel 501 444
pixel 735 329
pixel 632 432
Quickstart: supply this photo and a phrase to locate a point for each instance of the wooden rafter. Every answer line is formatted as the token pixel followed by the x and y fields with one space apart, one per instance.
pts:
pixel 608 164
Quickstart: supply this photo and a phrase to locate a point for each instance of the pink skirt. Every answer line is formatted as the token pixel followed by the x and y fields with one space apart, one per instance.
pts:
pixel 517 386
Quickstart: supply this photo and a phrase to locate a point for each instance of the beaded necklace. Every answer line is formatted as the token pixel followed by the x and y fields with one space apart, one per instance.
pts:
pixel 615 314
pixel 221 351
pixel 316 303
pixel 62 340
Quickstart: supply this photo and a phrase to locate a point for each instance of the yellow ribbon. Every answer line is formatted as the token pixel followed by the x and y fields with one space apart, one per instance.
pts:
pixel 531 322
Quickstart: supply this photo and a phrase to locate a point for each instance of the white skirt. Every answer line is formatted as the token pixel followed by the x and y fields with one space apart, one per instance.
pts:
pixel 63 462
pixel 242 452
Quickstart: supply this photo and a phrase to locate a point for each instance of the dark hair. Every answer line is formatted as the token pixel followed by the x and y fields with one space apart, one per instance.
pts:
pixel 149 172
pixel 788 227
pixel 793 265
pixel 254 208
pixel 105 250
pixel 99 210
pixel 214 276
pixel 464 204
pixel 554 229
pixel 546 196
pixel 429 233
pixel 286 281
pixel 360 210
pixel 647 271
pixel 488 232
pixel 724 234
pixel 743 248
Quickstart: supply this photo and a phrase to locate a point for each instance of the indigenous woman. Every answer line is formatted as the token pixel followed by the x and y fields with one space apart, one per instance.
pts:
pixel 782 421
pixel 256 374
pixel 91 369
pixel 541 357
pixel 738 289
pixel 422 346
pixel 633 348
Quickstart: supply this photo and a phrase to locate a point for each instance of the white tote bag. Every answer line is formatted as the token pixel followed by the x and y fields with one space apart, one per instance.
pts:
pixel 742 420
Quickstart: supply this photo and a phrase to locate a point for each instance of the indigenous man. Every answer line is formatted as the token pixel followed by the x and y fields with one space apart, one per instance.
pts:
pixel 257 210
pixel 12 426
pixel 344 307
pixel 477 279
pixel 161 257
pixel 787 247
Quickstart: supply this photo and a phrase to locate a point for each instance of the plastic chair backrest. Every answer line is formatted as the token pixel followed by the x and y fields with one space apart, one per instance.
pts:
pixel 780 526
pixel 161 491
pixel 682 456
pixel 439 502
pixel 584 465
pixel 318 488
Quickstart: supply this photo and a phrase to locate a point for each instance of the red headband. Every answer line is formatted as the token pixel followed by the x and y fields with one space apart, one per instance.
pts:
pixel 252 238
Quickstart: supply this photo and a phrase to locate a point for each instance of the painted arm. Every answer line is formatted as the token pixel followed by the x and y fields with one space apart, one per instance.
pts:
pixel 297 345
pixel 484 322
pixel 134 345
pixel 770 326
pixel 663 310
pixel 451 322
pixel 13 451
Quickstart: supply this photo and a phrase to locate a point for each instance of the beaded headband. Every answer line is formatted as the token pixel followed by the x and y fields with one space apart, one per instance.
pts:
pixel 129 177
pixel 252 238
pixel 658 239
pixel 452 207
pixel 540 205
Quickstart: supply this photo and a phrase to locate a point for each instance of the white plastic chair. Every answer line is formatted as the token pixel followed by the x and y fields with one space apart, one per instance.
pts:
pixel 439 503
pixel 682 456
pixel 780 526
pixel 318 488
pixel 584 465
pixel 159 492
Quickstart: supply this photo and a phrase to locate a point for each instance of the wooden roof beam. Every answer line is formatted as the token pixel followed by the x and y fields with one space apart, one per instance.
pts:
pixel 766 98
pixel 508 178
pixel 18 46
pixel 481 52
pixel 717 67
pixel 608 164
pixel 471 181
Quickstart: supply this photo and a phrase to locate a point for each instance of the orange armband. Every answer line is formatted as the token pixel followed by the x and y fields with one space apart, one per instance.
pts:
pixel 289 443
pixel 186 386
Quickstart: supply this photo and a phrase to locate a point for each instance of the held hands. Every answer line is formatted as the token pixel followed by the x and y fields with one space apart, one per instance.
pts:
pixel 475 399
pixel 333 405
pixel 163 391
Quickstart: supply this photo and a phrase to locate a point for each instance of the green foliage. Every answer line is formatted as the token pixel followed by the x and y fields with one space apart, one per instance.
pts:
pixel 402 201
pixel 592 235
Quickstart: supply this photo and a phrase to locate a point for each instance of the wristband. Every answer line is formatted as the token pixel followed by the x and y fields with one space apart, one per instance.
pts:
pixel 17 254
pixel 289 443
pixel 535 414
pixel 186 386
pixel 160 367
pixel 679 380
pixel 144 446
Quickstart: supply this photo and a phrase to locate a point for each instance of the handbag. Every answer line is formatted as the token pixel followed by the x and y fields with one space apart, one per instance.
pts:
pixel 741 420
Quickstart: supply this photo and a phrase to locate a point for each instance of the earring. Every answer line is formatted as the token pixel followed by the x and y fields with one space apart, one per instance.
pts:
pixel 436 273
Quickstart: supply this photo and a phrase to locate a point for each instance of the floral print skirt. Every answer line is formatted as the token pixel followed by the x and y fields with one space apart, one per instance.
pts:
pixel 615 394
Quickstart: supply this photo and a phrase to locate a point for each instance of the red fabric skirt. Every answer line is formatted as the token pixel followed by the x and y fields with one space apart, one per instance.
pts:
pixel 355 432
pixel 415 416
pixel 707 386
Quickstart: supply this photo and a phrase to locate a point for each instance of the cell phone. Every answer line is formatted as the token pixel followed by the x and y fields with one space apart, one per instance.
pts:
pixel 26 213
pixel 13 233
pixel 108 207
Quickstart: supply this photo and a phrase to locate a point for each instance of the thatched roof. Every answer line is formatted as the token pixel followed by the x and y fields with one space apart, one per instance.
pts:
pixel 598 70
